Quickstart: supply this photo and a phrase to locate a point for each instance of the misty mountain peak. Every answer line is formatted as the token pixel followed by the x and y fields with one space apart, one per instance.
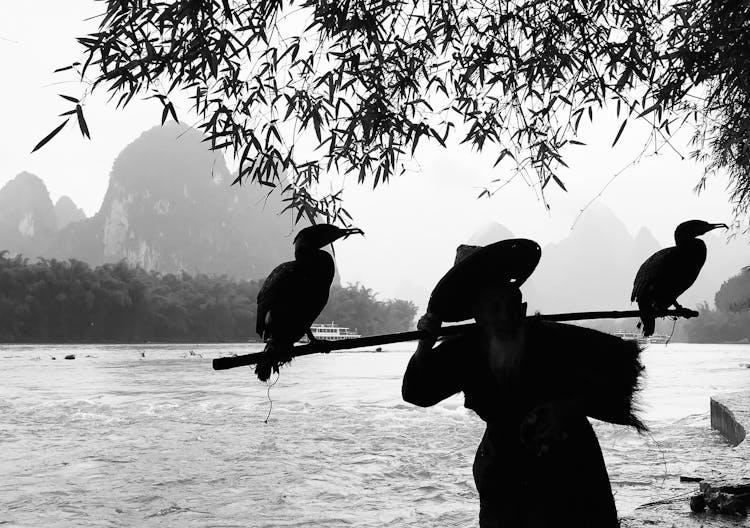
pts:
pixel 489 233
pixel 169 207
pixel 599 222
pixel 67 212
pixel 27 217
pixel 591 269
pixel 166 160
pixel 645 244
pixel 26 189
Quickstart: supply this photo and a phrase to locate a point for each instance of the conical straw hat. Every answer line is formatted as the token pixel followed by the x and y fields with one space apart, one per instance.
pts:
pixel 512 260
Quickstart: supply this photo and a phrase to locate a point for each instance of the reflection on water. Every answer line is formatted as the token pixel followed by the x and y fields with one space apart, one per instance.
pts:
pixel 152 436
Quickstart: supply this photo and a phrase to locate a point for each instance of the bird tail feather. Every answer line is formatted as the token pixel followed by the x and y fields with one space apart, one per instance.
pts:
pixel 648 321
pixel 649 324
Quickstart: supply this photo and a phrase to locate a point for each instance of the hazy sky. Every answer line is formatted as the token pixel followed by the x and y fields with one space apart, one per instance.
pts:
pixel 412 225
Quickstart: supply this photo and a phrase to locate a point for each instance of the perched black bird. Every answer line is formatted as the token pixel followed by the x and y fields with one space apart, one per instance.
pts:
pixel 666 274
pixel 295 293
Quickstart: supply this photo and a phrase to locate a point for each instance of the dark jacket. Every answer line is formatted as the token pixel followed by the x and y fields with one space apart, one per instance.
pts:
pixel 568 486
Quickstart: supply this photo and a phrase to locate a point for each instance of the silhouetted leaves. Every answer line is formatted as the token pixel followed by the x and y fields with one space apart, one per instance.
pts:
pixel 619 132
pixel 82 122
pixel 66 68
pixel 49 136
pixel 169 109
pixel 559 183
pixel 705 77
pixel 365 82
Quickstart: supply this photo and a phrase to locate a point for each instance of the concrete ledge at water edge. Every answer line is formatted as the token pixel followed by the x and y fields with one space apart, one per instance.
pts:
pixel 730 416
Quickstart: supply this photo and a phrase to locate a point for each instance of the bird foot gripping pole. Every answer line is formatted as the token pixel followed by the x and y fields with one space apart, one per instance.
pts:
pixel 320 346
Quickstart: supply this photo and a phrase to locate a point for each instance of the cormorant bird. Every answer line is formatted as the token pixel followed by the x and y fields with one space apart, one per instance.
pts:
pixel 666 274
pixel 295 293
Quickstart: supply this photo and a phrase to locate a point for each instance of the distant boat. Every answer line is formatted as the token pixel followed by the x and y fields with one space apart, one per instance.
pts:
pixel 70 356
pixel 331 332
pixel 655 339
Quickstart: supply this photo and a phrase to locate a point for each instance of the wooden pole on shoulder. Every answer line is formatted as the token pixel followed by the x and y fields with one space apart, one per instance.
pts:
pixel 321 346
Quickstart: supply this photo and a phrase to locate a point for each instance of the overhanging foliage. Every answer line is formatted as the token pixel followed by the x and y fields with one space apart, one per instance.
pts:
pixel 293 90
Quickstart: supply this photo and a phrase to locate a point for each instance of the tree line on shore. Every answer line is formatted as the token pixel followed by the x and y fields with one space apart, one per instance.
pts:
pixel 729 322
pixel 69 301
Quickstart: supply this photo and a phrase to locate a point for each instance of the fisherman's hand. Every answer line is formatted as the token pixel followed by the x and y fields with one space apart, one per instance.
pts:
pixel 430 324
pixel 547 425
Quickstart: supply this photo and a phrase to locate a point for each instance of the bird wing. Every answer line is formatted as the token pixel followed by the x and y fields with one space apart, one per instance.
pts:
pixel 280 284
pixel 664 276
pixel 650 271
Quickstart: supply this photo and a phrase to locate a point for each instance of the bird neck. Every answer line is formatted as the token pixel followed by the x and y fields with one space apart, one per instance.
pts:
pixel 313 257
pixel 318 266
pixel 308 253
pixel 688 240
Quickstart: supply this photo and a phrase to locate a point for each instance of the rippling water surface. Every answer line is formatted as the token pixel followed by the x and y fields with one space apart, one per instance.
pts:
pixel 117 439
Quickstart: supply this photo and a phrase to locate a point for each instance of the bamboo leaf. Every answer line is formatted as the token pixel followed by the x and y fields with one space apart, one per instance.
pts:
pixel 503 153
pixel 50 136
pixel 649 109
pixel 316 123
pixel 558 182
pixel 69 98
pixel 227 10
pixel 65 68
pixel 82 122
pixel 172 111
pixel 619 132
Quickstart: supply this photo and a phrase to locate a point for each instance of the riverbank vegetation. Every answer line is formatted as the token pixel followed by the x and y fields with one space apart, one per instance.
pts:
pixel 730 321
pixel 69 301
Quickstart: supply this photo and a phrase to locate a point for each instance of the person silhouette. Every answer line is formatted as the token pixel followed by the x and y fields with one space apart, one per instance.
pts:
pixel 534 383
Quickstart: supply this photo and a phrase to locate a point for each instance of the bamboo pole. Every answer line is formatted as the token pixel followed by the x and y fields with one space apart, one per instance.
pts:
pixel 321 346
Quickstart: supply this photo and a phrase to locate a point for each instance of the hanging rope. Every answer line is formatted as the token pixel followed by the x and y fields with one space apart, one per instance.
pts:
pixel 268 395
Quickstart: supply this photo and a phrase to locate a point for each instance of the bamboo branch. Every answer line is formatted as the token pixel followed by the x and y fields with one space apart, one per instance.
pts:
pixel 321 346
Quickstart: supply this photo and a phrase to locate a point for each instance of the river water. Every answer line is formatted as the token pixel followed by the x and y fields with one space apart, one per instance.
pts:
pixel 152 436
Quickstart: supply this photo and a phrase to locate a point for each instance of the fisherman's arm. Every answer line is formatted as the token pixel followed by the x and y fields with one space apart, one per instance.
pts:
pixel 431 375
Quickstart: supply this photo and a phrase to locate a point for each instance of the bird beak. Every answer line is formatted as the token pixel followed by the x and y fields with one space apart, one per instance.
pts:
pixel 352 231
pixel 344 233
pixel 716 226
